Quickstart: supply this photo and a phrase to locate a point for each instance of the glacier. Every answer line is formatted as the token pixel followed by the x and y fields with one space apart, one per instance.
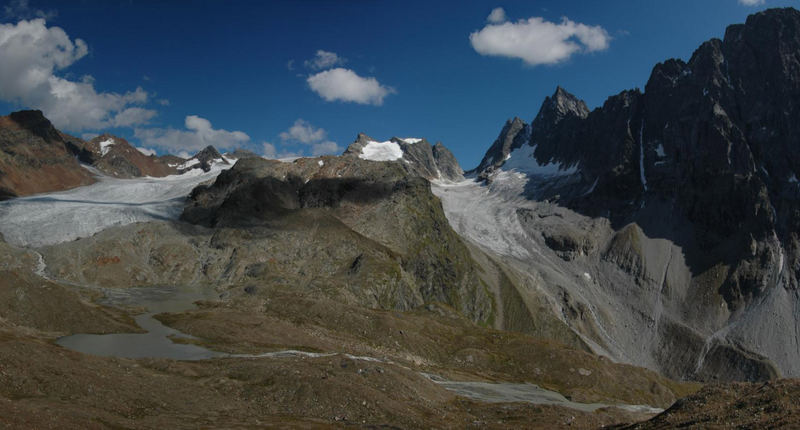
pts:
pixel 51 218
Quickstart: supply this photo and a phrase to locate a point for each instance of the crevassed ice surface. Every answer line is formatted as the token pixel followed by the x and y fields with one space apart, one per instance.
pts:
pixel 50 218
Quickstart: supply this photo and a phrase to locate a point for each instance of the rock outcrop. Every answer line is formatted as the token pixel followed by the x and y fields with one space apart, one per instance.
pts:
pixel 370 231
pixel 35 157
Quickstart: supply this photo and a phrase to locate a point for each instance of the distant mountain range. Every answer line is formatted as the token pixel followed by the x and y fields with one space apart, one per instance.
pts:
pixel 35 157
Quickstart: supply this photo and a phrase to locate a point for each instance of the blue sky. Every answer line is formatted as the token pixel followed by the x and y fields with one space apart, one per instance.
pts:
pixel 173 76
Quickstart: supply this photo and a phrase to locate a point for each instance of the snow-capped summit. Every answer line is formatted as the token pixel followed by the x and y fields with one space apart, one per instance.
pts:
pixel 433 162
pixel 206 160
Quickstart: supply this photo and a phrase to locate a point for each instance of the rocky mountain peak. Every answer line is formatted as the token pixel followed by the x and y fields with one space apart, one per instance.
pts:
pixel 514 134
pixel 35 158
pixel 205 159
pixel 209 152
pixel 36 123
pixel 361 141
pixel 559 106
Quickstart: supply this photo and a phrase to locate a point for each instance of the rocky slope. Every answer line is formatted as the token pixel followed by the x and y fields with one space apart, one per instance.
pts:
pixel 697 176
pixel 34 157
pixel 742 405
pixel 415 259
pixel 432 162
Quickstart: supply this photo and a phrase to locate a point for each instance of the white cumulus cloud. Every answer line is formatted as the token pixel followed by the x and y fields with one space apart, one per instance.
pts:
pixel 30 55
pixel 537 41
pixel 269 150
pixel 198 134
pixel 345 85
pixel 132 116
pixel 497 16
pixel 751 2
pixel 146 151
pixel 324 60
pixel 325 148
pixel 303 133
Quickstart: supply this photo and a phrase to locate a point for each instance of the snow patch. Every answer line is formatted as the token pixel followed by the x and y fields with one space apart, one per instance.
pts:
pixel 591 189
pixel 105 146
pixel 189 163
pixel 381 151
pixel 320 163
pixel 641 156
pixel 522 160
pixel 411 140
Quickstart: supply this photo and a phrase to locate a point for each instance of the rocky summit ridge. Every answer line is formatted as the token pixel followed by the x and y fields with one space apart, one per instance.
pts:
pixel 432 162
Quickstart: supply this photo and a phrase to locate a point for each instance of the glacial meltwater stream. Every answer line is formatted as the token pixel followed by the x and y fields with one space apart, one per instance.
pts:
pixel 158 343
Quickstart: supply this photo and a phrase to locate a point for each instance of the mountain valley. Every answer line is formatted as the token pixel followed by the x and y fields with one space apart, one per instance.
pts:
pixel 631 266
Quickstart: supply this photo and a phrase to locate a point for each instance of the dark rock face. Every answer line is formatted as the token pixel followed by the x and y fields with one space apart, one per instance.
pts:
pixel 514 134
pixel 707 157
pixel 419 157
pixel 34 157
pixel 558 116
pixel 716 136
pixel 446 163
